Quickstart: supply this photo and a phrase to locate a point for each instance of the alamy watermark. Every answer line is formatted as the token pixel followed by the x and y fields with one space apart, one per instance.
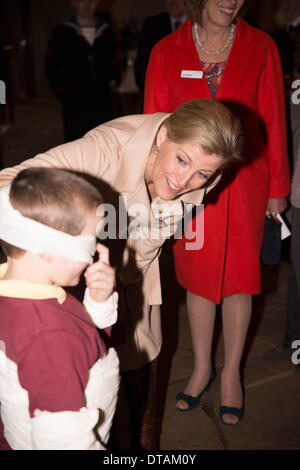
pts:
pixel 162 221
pixel 2 92
pixel 296 94
pixel 296 354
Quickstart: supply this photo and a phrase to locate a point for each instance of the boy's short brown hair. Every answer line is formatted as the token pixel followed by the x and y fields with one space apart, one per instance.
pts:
pixel 54 197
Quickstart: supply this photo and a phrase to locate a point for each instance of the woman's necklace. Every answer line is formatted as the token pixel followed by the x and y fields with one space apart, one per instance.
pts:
pixel 218 51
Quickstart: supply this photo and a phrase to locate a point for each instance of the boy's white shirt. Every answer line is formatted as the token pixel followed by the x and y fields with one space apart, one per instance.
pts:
pixel 103 314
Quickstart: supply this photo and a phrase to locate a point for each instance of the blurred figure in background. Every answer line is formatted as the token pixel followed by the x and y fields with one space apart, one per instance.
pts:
pixel 288 42
pixel 80 67
pixel 154 29
pixel 288 39
pixel 1 57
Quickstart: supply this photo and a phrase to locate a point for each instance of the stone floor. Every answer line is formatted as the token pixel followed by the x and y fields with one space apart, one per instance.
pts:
pixel 271 381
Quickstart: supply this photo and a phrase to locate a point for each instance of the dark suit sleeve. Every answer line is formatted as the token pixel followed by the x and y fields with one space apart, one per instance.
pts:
pixel 146 43
pixel 154 29
pixel 285 49
pixel 271 109
pixel 55 61
pixel 113 50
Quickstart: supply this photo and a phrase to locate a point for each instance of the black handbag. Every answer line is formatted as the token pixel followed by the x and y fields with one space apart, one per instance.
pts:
pixel 271 247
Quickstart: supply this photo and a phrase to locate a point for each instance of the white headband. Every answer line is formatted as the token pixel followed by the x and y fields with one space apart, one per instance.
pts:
pixel 32 236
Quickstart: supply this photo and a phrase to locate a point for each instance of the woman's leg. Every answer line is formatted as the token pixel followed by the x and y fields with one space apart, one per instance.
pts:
pixel 236 314
pixel 201 313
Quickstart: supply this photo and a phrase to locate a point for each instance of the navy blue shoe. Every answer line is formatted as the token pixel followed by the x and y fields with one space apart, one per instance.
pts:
pixel 238 412
pixel 193 402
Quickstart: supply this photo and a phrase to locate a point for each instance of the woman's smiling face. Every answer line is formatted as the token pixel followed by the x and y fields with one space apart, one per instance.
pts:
pixel 221 12
pixel 179 168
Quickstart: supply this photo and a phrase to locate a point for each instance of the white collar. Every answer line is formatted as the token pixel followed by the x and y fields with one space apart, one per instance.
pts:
pixel 296 21
pixel 182 20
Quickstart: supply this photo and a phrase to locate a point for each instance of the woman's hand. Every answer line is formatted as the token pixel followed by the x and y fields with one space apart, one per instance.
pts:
pixel 100 276
pixel 276 205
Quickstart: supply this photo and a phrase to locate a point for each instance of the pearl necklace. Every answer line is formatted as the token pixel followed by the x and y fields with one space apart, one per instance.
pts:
pixel 219 51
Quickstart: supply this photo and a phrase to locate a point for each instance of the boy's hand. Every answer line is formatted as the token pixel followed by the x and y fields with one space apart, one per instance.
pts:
pixel 100 276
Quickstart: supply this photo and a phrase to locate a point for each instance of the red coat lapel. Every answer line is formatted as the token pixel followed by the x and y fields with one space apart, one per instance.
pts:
pixel 238 62
pixel 197 88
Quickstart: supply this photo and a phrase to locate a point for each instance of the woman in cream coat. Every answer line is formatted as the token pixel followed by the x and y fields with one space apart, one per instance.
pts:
pixel 155 161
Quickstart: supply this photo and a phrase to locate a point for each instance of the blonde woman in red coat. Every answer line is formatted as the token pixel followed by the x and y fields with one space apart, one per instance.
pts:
pixel 217 55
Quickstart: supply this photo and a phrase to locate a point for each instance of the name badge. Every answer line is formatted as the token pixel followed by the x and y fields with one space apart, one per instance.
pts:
pixel 192 74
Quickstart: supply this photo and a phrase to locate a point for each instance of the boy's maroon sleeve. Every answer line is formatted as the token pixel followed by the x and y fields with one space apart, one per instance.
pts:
pixel 108 331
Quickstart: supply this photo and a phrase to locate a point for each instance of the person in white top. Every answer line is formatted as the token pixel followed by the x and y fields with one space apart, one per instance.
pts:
pixel 80 69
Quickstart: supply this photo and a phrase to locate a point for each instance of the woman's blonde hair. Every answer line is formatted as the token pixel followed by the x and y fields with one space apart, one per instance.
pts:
pixel 210 125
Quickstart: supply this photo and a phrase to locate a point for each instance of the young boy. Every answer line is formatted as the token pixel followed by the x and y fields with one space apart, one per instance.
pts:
pixel 58 383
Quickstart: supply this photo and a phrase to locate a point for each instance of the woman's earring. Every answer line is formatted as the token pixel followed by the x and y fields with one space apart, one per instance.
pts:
pixel 156 150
